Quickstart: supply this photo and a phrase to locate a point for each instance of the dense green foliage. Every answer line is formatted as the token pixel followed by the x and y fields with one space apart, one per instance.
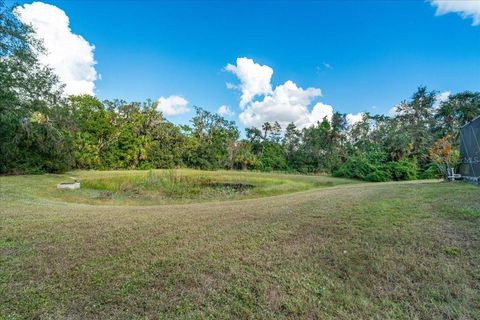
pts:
pixel 32 125
pixel 41 130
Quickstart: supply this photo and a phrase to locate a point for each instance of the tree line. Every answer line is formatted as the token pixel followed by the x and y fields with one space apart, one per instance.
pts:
pixel 41 130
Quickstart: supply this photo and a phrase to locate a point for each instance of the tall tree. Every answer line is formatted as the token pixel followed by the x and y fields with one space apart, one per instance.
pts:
pixel 33 136
pixel 213 134
pixel 417 116
pixel 291 144
pixel 456 111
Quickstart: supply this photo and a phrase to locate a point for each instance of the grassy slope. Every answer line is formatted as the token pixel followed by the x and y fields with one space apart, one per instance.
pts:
pixel 266 184
pixel 402 251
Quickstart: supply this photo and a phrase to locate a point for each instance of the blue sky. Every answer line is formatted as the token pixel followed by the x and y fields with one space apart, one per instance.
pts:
pixel 363 55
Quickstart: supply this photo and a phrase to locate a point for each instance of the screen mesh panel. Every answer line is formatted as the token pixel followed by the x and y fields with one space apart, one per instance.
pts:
pixel 470 150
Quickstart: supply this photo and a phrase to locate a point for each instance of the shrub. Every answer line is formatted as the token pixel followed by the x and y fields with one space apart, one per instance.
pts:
pixel 445 155
pixel 356 167
pixel 373 166
pixel 378 176
pixel 369 166
pixel 431 172
pixel 405 169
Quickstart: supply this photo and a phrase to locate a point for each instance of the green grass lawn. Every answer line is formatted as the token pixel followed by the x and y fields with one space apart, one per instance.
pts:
pixel 291 246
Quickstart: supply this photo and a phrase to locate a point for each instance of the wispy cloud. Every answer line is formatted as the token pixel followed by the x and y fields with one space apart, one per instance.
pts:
pixel 327 65
pixel 464 8
pixel 225 111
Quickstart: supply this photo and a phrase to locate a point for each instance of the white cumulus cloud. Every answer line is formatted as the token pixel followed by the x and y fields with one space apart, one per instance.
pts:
pixel 354 118
pixel 319 112
pixel 68 54
pixel 285 103
pixel 254 79
pixel 224 111
pixel 464 8
pixel 172 105
pixel 441 97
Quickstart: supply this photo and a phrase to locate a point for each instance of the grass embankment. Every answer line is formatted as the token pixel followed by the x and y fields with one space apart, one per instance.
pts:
pixel 388 251
pixel 177 186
